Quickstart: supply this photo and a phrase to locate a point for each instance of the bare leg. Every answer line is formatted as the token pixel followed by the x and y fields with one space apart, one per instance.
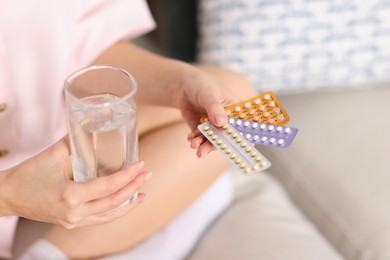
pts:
pixel 179 178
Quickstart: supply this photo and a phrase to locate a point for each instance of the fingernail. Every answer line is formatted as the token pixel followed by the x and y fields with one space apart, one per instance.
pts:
pixel 148 176
pixel 194 146
pixel 202 155
pixel 220 119
pixel 140 165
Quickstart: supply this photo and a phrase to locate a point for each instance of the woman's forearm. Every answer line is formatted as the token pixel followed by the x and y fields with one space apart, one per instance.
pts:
pixel 4 192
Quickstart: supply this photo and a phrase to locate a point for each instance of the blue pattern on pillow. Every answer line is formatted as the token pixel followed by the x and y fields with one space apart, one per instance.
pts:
pixel 295 45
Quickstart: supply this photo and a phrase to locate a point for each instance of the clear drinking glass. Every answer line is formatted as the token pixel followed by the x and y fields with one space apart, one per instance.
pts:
pixel 102 120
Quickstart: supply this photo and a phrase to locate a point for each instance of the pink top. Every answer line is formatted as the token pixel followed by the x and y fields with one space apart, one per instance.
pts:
pixel 41 42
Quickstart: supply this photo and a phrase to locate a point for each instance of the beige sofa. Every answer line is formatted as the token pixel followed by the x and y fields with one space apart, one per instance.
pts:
pixel 325 197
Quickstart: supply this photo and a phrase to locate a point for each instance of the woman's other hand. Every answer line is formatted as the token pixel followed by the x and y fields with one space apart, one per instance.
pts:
pixel 41 189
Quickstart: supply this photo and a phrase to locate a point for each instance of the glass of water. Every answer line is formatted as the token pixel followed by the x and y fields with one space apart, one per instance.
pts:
pixel 102 120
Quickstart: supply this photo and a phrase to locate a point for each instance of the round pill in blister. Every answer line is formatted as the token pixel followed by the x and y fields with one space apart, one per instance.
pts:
pixel 248 149
pixel 242 165
pixel 254 125
pixel 270 121
pixel 247 136
pixel 214 137
pixel 231 120
pixel 262 126
pixel 228 112
pixel 234 135
pixel 271 127
pixel 246 124
pixel 258 158
pixel 281 117
pixel 251 111
pixel 218 142
pixel 247 170
pixel 229 130
pixel 267 96
pixel 272 140
pixel 237 108
pixel 247 105
pixel 242 115
pixel 238 140
pixel 237 160
pixel 210 132
pixel 238 122
pixel 287 130
pixel 280 141
pixel 256 118
pixel 256 137
pixel 233 155
pixel 255 167
pixel 253 154
pixel 243 144
pixel 271 103
pixel 263 163
pixel 228 150
pixel 223 146
pixel 261 108
pixel 225 127
pixel 266 114
pixel 206 128
pixel 257 101
pixel 264 138
pixel 279 128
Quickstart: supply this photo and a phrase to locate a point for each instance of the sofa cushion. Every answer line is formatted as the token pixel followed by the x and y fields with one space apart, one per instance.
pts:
pixel 262 224
pixel 338 168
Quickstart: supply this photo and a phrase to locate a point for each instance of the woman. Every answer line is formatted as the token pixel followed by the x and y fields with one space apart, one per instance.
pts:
pixel 44 41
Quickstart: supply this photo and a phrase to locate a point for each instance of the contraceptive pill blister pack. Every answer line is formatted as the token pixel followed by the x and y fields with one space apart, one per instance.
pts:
pixel 263 108
pixel 259 120
pixel 235 148
pixel 264 134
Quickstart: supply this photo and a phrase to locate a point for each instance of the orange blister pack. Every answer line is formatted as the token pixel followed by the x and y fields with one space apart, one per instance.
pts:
pixel 263 108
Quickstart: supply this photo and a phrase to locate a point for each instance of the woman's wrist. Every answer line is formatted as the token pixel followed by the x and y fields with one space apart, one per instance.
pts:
pixel 169 79
pixel 5 209
pixel 184 75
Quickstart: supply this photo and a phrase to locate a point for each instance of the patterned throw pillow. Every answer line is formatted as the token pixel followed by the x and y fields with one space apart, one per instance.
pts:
pixel 295 45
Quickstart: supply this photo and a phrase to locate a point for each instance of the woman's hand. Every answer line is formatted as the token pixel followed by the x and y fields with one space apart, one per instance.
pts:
pixel 200 94
pixel 40 189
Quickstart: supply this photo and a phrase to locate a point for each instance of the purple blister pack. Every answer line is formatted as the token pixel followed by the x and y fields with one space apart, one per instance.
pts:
pixel 264 134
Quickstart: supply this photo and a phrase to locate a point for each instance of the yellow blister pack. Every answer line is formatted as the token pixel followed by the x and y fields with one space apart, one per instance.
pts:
pixel 263 108
pixel 235 148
